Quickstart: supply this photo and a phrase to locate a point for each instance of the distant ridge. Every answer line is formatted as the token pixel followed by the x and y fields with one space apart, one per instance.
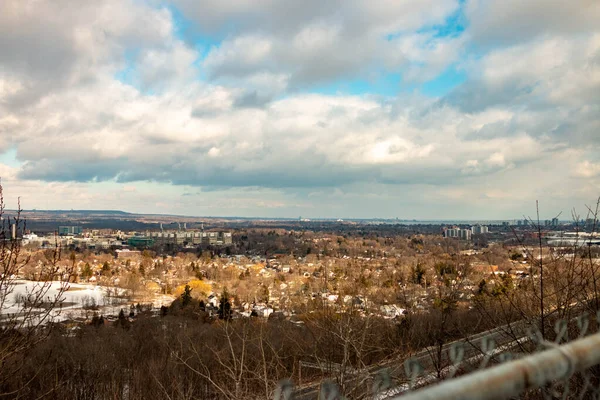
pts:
pixel 107 212
pixel 125 214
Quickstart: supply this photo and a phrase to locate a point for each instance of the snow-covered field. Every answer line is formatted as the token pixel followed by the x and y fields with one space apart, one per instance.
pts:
pixel 75 300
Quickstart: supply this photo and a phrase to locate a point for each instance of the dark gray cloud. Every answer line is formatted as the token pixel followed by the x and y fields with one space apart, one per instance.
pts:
pixel 69 170
pixel 476 96
pixel 252 99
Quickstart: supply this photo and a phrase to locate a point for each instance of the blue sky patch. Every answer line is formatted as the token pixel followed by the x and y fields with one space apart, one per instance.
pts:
pixel 9 158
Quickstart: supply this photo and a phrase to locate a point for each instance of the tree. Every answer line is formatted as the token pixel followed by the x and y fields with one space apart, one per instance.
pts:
pixel 86 271
pixel 503 286
pixel 224 306
pixel 265 295
pixel 27 323
pixel 122 320
pixel 516 256
pixel 186 296
pixel 418 274
pixel 445 268
pixel 482 287
pixel 106 267
pixel 201 288
pixel 97 321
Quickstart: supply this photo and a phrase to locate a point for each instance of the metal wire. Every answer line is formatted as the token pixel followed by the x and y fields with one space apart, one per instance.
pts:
pixel 557 369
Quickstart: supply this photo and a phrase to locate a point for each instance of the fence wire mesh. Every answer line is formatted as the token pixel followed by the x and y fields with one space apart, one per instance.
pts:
pixel 493 365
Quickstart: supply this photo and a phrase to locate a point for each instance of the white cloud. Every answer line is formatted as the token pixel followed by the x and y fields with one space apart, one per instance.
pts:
pixel 244 53
pixel 425 55
pixel 550 87
pixel 587 169
pixel 252 132
pixel 515 21
pixel 283 17
pixel 310 140
pixel 162 68
pixel 47 45
pixel 323 42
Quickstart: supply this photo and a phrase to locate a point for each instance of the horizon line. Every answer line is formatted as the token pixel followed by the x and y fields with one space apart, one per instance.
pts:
pixel 296 219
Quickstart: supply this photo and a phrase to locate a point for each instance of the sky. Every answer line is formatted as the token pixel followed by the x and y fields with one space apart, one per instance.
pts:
pixel 429 109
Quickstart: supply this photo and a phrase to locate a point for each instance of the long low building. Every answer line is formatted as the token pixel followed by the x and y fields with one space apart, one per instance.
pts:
pixel 187 237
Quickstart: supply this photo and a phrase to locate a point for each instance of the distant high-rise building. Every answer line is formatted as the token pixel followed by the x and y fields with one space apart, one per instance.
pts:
pixel 554 221
pixel 465 234
pixel 69 230
pixel 226 237
pixel 451 232
pixel 479 229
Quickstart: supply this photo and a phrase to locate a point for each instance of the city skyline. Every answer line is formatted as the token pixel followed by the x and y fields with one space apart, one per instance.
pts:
pixel 518 220
pixel 443 109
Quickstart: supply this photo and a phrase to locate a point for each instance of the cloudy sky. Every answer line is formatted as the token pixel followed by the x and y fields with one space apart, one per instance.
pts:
pixel 342 108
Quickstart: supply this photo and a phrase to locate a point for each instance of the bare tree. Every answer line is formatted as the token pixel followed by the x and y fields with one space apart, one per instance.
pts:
pixel 26 307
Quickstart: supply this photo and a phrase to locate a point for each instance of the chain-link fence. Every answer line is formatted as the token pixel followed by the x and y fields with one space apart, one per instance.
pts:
pixel 493 365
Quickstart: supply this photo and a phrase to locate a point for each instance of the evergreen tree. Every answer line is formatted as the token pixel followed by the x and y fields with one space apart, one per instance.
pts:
pixel 105 267
pixel 265 294
pixel 186 296
pixel 482 287
pixel 164 310
pixel 224 306
pixel 122 321
pixel 97 320
pixel 418 274
pixel 86 271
